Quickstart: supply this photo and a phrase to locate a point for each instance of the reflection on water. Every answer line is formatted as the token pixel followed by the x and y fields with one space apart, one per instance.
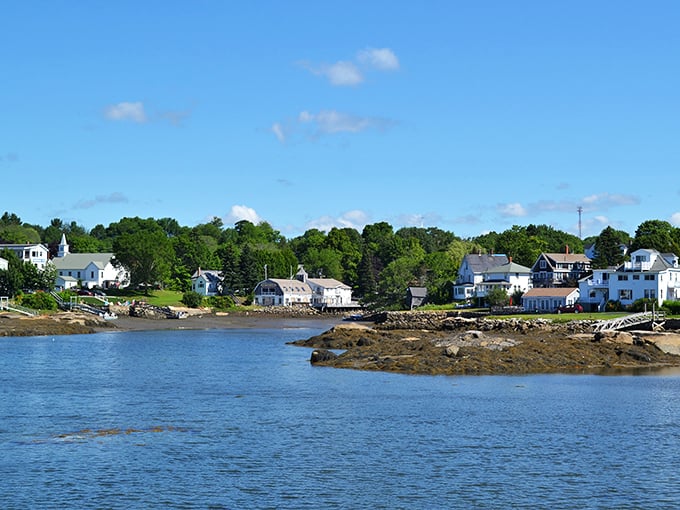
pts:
pixel 238 419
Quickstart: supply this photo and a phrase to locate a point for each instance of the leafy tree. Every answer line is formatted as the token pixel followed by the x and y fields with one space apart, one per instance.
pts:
pixel 347 242
pixel 326 262
pixel 147 255
pixel 11 279
pixel 608 249
pixel 19 234
pixel 497 297
pixel 399 274
pixel 441 270
pixel 656 235
pixel 432 239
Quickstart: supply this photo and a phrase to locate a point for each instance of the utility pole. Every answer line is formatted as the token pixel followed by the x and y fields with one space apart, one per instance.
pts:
pixel 265 271
pixel 580 210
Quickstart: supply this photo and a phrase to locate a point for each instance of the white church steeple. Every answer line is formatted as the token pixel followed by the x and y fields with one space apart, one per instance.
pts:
pixel 63 247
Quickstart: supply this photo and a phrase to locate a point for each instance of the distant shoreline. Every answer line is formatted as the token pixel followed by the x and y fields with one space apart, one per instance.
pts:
pixel 70 323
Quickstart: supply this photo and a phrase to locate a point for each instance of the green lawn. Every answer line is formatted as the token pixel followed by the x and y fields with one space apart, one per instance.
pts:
pixel 155 297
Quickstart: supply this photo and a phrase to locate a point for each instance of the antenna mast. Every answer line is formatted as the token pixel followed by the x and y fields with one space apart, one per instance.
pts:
pixel 580 210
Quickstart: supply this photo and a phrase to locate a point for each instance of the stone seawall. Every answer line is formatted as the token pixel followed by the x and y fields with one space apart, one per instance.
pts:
pixel 455 321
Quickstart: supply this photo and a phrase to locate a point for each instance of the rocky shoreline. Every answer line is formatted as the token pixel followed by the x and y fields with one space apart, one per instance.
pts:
pixel 440 343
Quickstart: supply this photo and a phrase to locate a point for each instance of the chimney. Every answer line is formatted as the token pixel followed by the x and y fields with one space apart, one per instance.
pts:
pixel 566 247
pixel 509 260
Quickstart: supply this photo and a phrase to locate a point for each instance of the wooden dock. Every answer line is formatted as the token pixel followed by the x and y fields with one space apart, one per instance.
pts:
pixel 656 319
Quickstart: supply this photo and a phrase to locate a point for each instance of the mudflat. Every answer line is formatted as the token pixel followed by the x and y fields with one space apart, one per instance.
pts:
pixel 71 323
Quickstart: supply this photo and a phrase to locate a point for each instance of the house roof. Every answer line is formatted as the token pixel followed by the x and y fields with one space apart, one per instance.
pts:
pixel 210 275
pixel 328 283
pixel 479 263
pixel 510 267
pixel 418 292
pixel 82 260
pixel 550 292
pixel 289 286
pixel 567 258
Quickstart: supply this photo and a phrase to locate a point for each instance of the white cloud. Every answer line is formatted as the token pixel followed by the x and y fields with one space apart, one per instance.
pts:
pixel 515 209
pixel 675 219
pixel 382 59
pixel 603 201
pixel 343 74
pixel 278 131
pixel 355 219
pixel 126 111
pixel 242 212
pixel 112 198
pixel 331 121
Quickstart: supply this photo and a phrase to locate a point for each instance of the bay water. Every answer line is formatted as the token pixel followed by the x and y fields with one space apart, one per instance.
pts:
pixel 236 418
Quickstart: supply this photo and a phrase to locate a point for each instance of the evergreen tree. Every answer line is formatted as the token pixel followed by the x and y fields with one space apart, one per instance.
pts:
pixel 608 249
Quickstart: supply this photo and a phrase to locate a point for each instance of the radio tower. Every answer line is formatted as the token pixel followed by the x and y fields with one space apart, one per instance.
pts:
pixel 580 210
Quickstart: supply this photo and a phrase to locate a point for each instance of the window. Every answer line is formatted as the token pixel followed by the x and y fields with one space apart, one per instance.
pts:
pixel 636 277
pixel 92 275
pixel 625 294
pixel 650 294
pixel 623 277
pixel 649 277
pixel 542 264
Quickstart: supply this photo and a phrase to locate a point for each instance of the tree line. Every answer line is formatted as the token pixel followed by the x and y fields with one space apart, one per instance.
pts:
pixel 379 262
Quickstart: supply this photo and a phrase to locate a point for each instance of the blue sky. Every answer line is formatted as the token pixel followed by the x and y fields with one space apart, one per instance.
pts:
pixel 466 116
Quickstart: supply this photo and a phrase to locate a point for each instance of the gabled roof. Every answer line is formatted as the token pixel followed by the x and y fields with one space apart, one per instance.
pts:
pixel 211 275
pixel 82 260
pixel 328 283
pixel 567 258
pixel 417 292
pixel 510 267
pixel 549 292
pixel 479 263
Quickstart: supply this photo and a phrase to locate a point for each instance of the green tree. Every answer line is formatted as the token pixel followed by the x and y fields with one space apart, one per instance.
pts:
pixel 656 235
pixel 497 297
pixel 147 255
pixel 11 279
pixel 608 250
pixel 399 274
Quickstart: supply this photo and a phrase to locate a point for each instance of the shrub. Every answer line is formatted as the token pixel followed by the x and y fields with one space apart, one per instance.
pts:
pixel 613 306
pixel 672 307
pixel 192 299
pixel 643 304
pixel 221 302
pixel 38 301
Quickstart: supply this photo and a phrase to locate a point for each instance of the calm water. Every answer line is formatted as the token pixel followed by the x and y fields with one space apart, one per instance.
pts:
pixel 237 419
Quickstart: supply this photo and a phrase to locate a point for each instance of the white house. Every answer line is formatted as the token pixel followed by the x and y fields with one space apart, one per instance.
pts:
pixel 326 292
pixel 548 299
pixel 282 292
pixel 36 254
pixel 90 269
pixel 510 277
pixel 4 264
pixel 594 289
pixel 471 273
pixel 207 282
pixel 649 274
